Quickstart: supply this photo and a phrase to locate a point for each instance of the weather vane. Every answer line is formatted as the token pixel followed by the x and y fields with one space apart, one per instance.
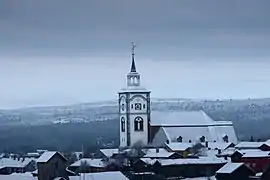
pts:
pixel 133 47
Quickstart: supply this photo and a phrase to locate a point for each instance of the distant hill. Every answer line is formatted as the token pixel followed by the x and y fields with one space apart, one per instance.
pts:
pixel 251 117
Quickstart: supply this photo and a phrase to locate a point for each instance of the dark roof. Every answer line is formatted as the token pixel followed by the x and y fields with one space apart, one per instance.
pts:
pixel 133 66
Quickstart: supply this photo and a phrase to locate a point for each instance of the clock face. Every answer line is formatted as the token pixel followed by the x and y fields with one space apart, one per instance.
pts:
pixel 138 106
pixel 123 107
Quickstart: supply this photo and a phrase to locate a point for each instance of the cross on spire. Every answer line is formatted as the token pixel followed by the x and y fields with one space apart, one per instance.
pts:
pixel 133 66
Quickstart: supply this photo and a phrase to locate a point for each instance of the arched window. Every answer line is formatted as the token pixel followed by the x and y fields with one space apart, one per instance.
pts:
pixel 123 124
pixel 180 139
pixel 138 124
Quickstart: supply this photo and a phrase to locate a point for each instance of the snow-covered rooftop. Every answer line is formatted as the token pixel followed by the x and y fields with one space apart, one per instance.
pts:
pixel 247 144
pixel 109 152
pixel 194 134
pixel 183 118
pixel 256 154
pixel 179 146
pixel 152 153
pixel 46 156
pixel 149 161
pixel 218 145
pixel 116 175
pixel 18 176
pixel 229 168
pixel 228 151
pixel 201 160
pixel 10 162
pixel 89 162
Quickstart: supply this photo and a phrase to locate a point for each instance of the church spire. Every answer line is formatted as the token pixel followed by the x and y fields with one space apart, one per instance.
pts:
pixel 133 66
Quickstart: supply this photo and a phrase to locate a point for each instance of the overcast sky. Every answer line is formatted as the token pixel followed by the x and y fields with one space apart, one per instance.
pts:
pixel 66 51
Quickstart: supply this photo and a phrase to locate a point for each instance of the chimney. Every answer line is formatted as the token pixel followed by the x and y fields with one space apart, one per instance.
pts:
pixel 168 142
pixel 157 150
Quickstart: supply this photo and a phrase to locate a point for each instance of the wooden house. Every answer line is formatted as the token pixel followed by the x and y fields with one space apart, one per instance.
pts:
pixel 188 167
pixel 234 171
pixel 52 165
pixel 17 165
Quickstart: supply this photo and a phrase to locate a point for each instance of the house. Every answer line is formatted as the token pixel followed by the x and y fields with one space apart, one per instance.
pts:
pixel 257 160
pixel 88 165
pixel 18 176
pixel 117 175
pixel 218 145
pixel 234 171
pixel 52 164
pixel 108 153
pixel 188 167
pixel 160 153
pixel 249 145
pixel 266 174
pixel 17 165
pixel 143 165
pixel 140 124
pixel 178 147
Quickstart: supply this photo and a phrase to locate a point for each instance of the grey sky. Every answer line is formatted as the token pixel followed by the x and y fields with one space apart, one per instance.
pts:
pixel 61 52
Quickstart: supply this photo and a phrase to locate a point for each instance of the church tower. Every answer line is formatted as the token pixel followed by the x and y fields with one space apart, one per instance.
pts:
pixel 134 109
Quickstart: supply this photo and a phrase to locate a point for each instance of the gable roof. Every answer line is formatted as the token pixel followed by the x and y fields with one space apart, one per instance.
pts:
pixel 184 161
pixel 9 162
pixel 18 176
pixel 90 162
pixel 219 145
pixel 178 146
pixel 46 156
pixel 229 168
pixel 152 153
pixel 116 175
pixel 109 152
pixel 247 145
pixel 180 118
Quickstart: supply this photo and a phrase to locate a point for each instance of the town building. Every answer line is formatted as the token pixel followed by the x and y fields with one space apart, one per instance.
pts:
pixel 141 126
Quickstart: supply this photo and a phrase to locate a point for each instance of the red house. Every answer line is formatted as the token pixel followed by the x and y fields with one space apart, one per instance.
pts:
pixel 259 161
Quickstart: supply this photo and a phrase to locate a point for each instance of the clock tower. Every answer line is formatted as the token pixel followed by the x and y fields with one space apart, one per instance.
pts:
pixel 134 110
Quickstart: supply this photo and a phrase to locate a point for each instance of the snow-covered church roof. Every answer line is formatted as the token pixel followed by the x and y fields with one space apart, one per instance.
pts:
pixel 184 118
pixel 190 126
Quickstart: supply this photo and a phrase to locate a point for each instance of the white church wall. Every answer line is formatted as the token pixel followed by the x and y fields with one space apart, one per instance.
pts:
pixel 137 136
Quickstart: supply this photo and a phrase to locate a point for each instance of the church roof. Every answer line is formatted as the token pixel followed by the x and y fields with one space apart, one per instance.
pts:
pixel 133 66
pixel 183 118
pixel 211 134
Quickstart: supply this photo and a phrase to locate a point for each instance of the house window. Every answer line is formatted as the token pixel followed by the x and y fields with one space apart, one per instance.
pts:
pixel 226 138
pixel 138 124
pixel 123 124
pixel 179 139
pixel 138 106
pixel 202 139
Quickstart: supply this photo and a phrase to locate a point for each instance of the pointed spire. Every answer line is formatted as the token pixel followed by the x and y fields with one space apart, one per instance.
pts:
pixel 133 66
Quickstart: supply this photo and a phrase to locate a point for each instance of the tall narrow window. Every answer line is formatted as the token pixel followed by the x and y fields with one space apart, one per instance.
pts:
pixel 123 124
pixel 138 124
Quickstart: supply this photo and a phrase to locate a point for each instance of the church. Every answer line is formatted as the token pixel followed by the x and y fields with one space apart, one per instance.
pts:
pixel 138 124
